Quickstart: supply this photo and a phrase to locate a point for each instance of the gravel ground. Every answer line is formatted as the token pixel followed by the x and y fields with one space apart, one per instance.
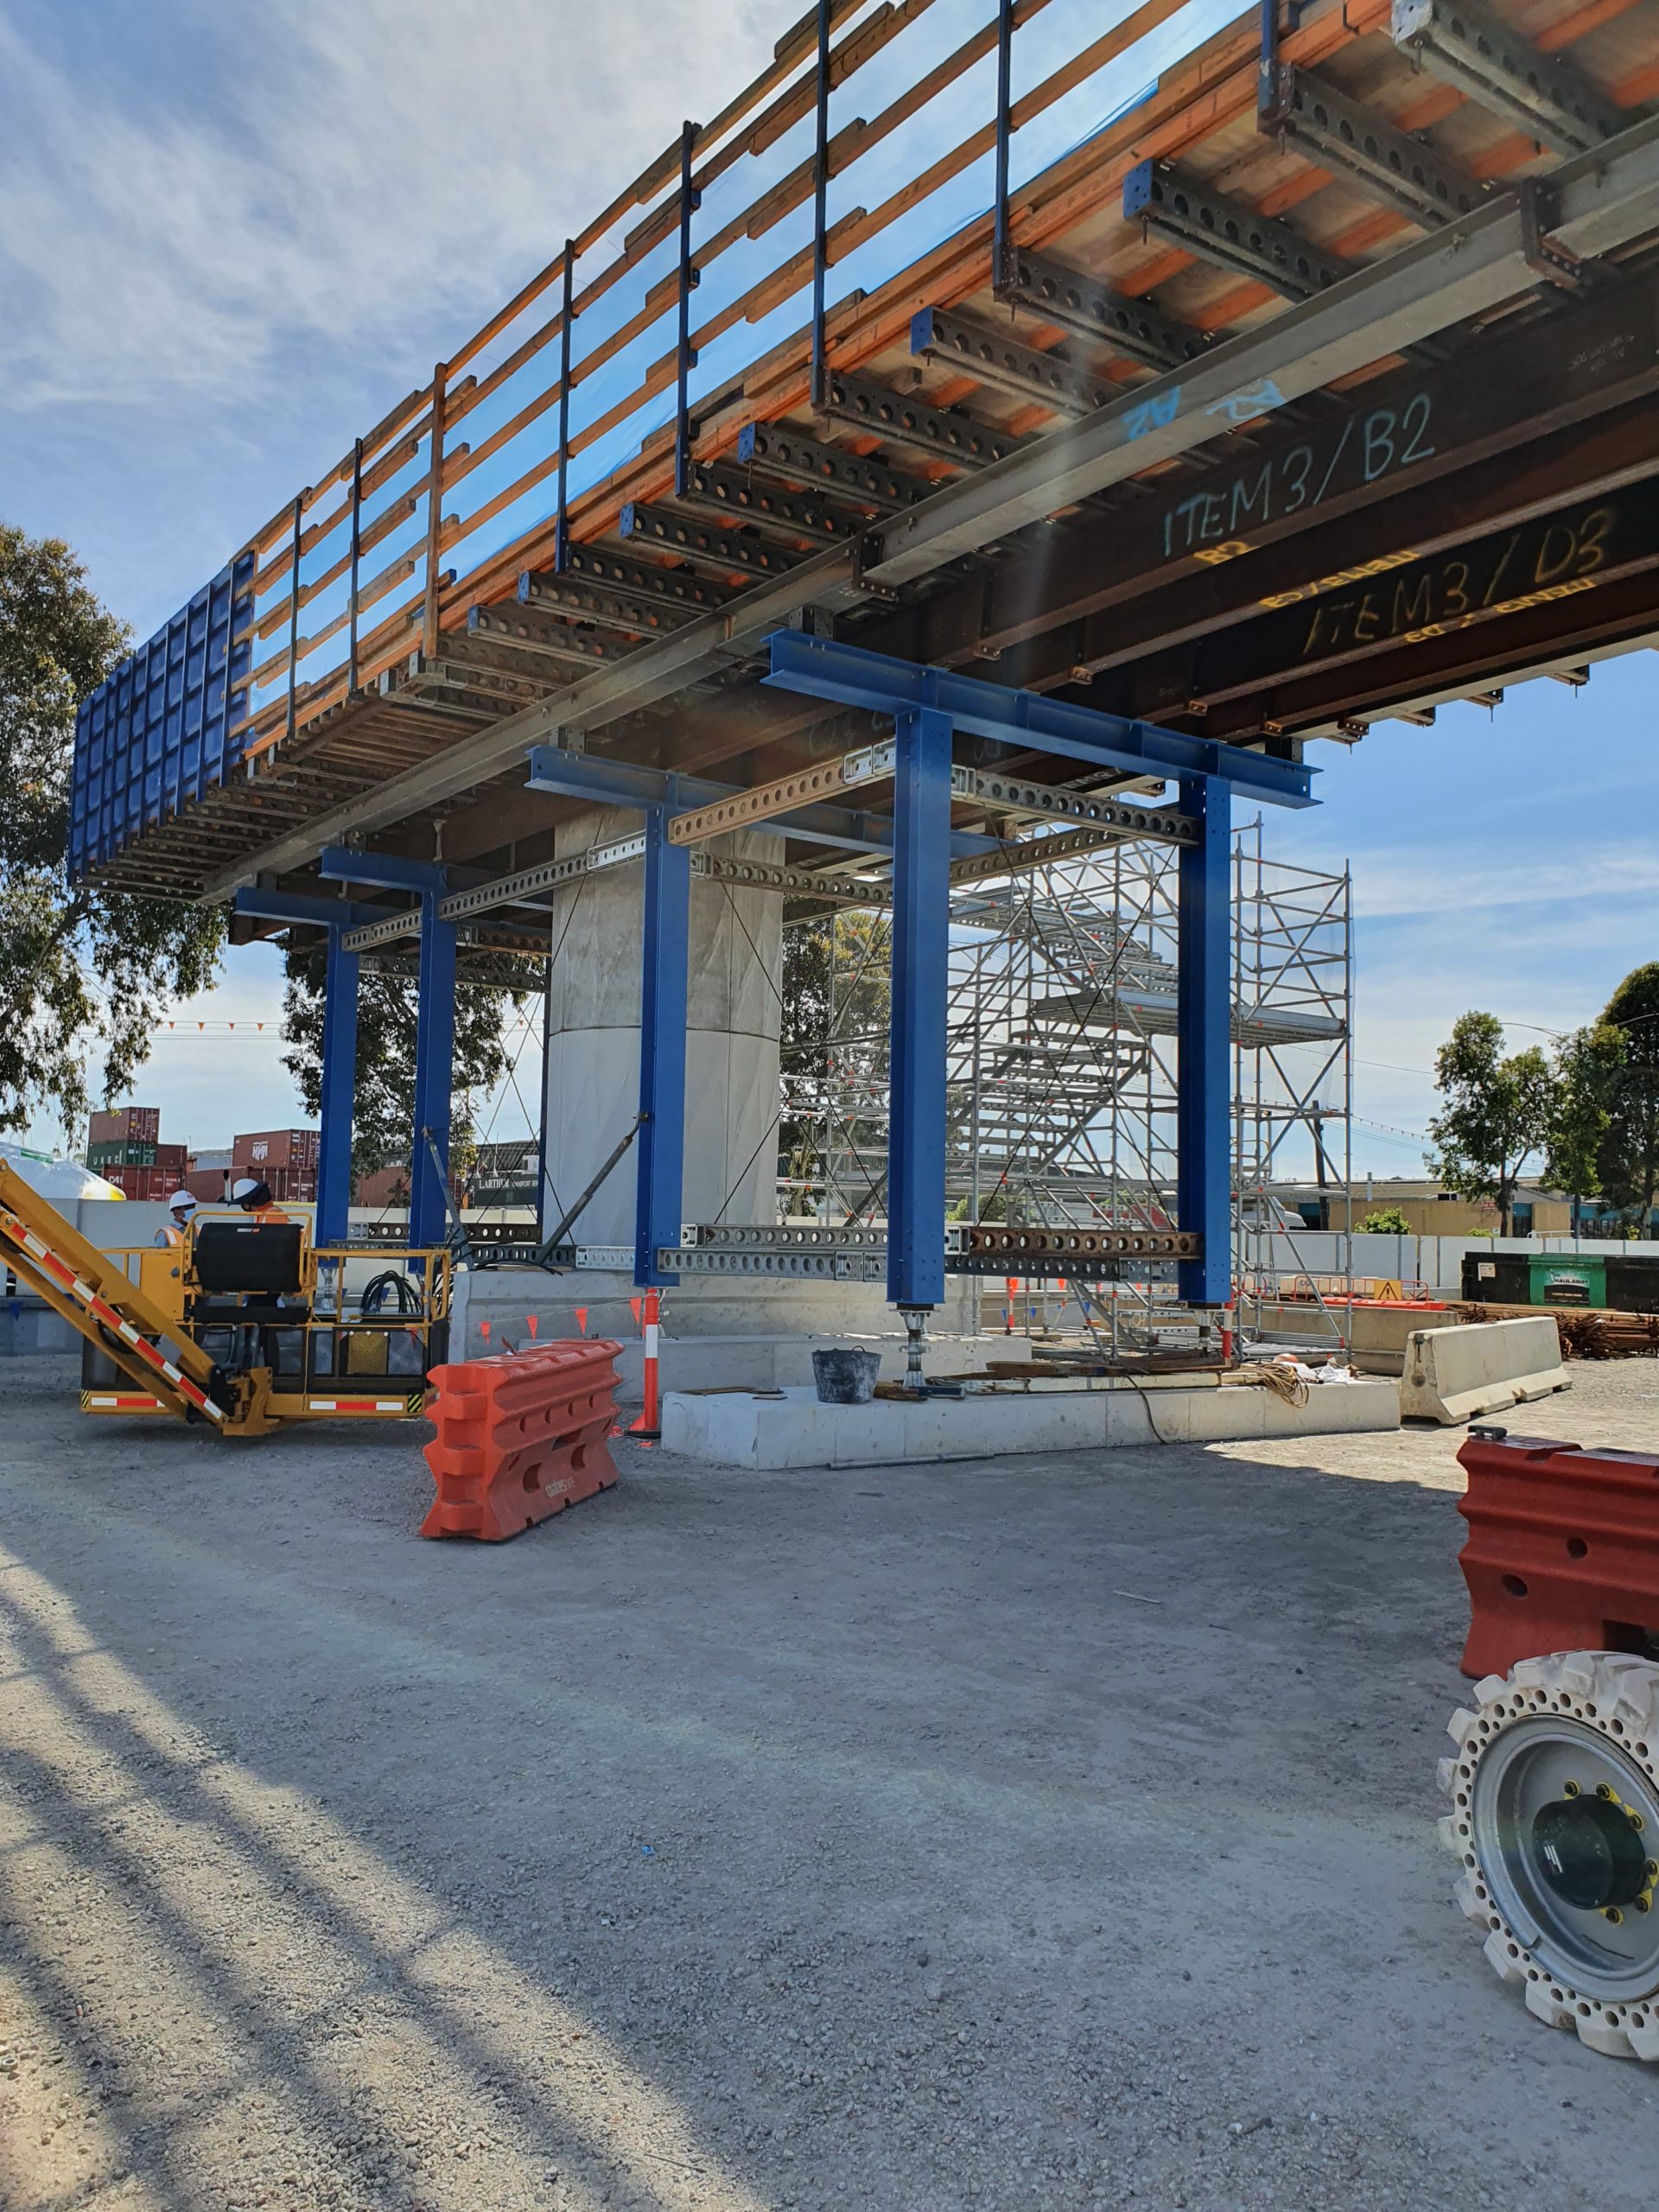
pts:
pixel 1052 1832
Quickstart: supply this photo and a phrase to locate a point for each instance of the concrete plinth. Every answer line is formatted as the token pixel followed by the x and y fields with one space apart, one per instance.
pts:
pixel 752 1332
pixel 734 972
pixel 793 1430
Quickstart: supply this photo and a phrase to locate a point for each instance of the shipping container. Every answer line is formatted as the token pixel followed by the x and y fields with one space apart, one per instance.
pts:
pixel 1567 1279
pixel 101 1157
pixel 173 1157
pixel 1497 1278
pixel 144 1183
pixel 263 1149
pixel 1633 1285
pixel 125 1125
pixel 209 1184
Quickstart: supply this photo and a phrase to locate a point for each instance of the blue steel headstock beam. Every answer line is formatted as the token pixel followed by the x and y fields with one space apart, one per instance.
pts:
pixel 824 670
pixel 304 910
pixel 384 871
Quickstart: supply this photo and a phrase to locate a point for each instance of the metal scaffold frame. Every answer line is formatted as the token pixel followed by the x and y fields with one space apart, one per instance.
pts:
pixel 1062 1062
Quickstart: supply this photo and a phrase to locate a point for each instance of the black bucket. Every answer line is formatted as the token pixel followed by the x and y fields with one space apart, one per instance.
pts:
pixel 846 1378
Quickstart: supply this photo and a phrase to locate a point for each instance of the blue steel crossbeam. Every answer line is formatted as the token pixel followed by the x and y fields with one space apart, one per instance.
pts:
pixel 824 670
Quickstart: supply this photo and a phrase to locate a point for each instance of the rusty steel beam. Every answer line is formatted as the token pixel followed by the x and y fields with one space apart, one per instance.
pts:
pixel 1413 427
pixel 1200 613
pixel 1486 611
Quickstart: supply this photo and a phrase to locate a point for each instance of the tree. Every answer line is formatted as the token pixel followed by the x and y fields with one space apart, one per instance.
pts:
pixel 1589 1068
pixel 836 999
pixel 387 1010
pixel 1385 1221
pixel 1629 1148
pixel 85 972
pixel 1499 1113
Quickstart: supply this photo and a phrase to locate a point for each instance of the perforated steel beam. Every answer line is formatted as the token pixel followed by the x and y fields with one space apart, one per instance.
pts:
pixel 524 630
pixel 1545 94
pixel 663 530
pixel 788 516
pixel 1219 230
pixel 620 783
pixel 996 359
pixel 1082 304
pixel 900 420
pixel 608 571
pixel 1390 164
pixel 772 449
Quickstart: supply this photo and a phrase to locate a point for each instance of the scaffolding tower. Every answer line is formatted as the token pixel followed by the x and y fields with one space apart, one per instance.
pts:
pixel 1063 1065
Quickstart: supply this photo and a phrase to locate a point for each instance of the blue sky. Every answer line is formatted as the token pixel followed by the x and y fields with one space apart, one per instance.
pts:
pixel 230 237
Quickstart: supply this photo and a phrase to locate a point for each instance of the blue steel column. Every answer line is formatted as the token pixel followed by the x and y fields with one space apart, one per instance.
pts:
pixel 339 1092
pixel 434 1055
pixel 1204 1176
pixel 662 1048
pixel 921 931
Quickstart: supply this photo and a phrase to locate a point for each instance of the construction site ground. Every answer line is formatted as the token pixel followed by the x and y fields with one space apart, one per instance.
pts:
pixel 1054 1833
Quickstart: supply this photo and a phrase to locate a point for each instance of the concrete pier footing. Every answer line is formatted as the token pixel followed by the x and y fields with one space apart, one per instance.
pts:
pixel 792 1429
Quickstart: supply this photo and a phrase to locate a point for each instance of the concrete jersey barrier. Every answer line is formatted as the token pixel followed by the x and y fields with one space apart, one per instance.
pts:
pixel 1480 1367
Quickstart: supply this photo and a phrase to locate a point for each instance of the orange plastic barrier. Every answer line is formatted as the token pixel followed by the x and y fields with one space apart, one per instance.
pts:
pixel 520 1437
pixel 1563 1550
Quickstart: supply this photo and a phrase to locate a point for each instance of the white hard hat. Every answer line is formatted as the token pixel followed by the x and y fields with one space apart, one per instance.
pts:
pixel 243 1187
pixel 182 1202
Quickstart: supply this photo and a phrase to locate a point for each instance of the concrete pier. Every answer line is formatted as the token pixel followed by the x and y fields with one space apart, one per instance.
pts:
pixel 735 968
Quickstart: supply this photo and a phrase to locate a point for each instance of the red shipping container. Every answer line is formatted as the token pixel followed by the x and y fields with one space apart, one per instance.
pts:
pixel 125 1125
pixel 142 1183
pixel 172 1158
pixel 209 1184
pixel 263 1149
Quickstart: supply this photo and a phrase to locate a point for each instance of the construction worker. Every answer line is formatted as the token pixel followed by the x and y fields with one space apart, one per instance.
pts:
pixel 181 1208
pixel 254 1197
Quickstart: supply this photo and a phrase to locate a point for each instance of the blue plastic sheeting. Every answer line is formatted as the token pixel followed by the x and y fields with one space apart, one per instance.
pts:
pixel 156 734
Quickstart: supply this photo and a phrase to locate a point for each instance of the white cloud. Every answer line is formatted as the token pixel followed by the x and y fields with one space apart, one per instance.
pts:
pixel 369 165
pixel 1456 881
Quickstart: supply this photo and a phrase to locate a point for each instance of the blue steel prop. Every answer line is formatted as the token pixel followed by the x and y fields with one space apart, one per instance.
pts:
pixel 1004 138
pixel 164 727
pixel 434 1025
pixel 295 551
pixel 820 385
pixel 1203 1145
pixel 921 922
pixel 824 670
pixel 662 1012
pixel 567 316
pixel 620 783
pixel 338 1091
pixel 434 1058
pixel 338 1039
pixel 357 558
pixel 685 351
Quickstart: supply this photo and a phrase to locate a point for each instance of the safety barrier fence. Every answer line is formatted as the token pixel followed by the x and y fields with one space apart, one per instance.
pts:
pixel 1563 1550
pixel 886 150
pixel 520 1436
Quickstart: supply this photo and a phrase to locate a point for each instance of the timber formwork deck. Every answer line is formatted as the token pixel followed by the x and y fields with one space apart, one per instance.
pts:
pixel 1001 458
